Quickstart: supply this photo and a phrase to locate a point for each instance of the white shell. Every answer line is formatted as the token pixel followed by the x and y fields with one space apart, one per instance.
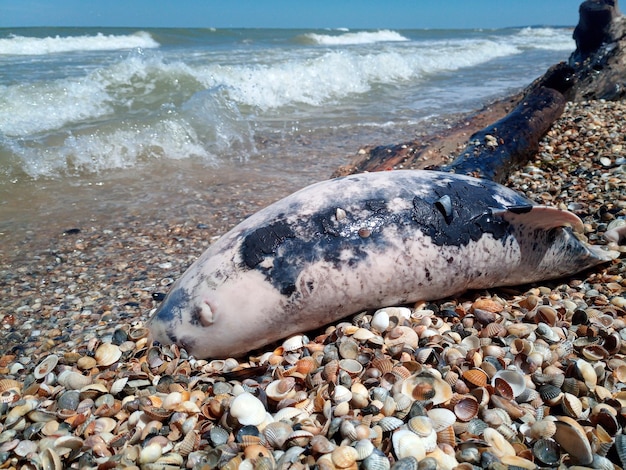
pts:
pixel 248 409
pixel 46 366
pixel 408 444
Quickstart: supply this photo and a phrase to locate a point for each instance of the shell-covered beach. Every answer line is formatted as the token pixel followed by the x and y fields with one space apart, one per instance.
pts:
pixel 530 377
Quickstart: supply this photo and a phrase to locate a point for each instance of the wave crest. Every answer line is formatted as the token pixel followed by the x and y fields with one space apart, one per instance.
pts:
pixel 24 45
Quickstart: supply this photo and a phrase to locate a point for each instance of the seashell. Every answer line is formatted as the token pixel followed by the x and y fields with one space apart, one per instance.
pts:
pixel 376 461
pixel 476 427
pixel 219 435
pixel 277 433
pixel 546 332
pixel 547 451
pixel 594 352
pixel 517 462
pixel 46 366
pixel 380 321
pixel 441 418
pixel 402 336
pixel 620 447
pixel 550 394
pixel 515 379
pixel 510 407
pixel 190 442
pixel 86 363
pixel 321 445
pixel 604 441
pixel 50 460
pixel 248 409
pixel 383 364
pixel 293 343
pixel 157 413
pixel 425 387
pixel 546 314
pixel 421 425
pixel 572 405
pixel 299 438
pixel 447 436
pixel 72 380
pixel 348 348
pixel 20 409
pixel 476 377
pixel 107 354
pixel 408 444
pixel 364 448
pixel 499 445
pixel 281 389
pixel 351 366
pixel 118 385
pixel 571 437
pixel 341 394
pixel 390 423
pixel 542 429
pixel 493 330
pixel 521 346
pixel 344 456
pixel 503 388
pixel 93 391
pixel 467 408
pixel 587 373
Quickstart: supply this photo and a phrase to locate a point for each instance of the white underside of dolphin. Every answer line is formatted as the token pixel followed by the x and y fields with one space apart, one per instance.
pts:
pixel 361 242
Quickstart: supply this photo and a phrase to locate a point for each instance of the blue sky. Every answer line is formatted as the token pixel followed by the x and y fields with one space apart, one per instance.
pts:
pixel 290 13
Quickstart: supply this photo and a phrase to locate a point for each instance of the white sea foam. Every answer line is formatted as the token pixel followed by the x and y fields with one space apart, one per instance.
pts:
pixel 555 39
pixel 23 45
pixel 360 37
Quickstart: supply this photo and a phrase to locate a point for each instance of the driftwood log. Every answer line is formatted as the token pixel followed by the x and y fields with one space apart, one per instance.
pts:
pixel 482 147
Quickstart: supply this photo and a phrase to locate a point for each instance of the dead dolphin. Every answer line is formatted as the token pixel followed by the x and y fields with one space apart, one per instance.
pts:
pixel 360 242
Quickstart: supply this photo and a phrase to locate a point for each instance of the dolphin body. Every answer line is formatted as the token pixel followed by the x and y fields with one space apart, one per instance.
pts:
pixel 360 242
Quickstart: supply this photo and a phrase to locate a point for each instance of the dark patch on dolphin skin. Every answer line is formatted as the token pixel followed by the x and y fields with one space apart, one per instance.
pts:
pixel 452 214
pixel 173 305
pixel 264 241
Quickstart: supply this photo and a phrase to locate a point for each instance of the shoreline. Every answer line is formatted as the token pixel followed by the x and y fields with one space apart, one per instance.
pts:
pixel 83 289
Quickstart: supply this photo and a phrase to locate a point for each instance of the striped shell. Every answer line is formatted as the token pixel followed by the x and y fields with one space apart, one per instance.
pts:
pixel 476 377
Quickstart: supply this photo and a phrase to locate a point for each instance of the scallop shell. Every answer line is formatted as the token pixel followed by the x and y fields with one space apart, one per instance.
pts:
pixel 571 437
pixel 45 366
pixel 107 354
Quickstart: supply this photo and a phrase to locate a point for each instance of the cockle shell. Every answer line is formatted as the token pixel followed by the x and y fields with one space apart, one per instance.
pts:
pixel 426 387
pixel 515 379
pixel 72 380
pixel 107 354
pixel 499 445
pixel 248 409
pixel 281 389
pixel 344 456
pixel 408 444
pixel 441 418
pixel 588 373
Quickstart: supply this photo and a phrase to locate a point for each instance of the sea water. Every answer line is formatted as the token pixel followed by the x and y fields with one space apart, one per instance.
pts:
pixel 97 122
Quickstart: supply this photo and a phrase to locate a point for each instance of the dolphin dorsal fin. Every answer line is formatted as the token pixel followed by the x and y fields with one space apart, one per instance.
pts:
pixel 540 217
